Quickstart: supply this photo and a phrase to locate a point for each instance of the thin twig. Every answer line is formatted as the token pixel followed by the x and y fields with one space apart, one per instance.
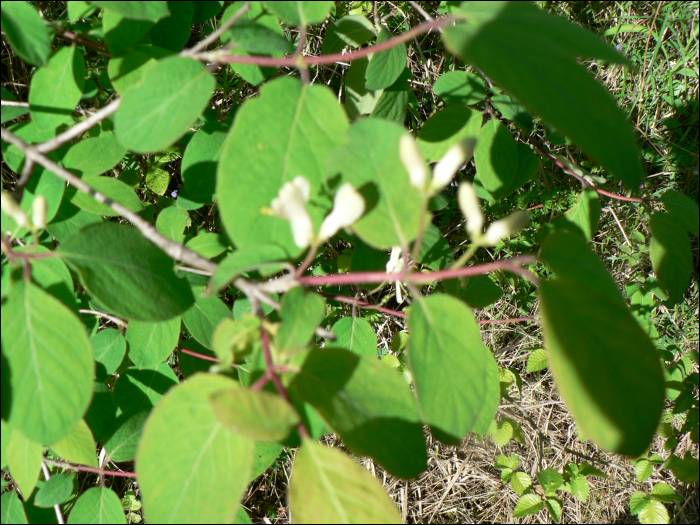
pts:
pixel 15 103
pixel 85 468
pixel 116 320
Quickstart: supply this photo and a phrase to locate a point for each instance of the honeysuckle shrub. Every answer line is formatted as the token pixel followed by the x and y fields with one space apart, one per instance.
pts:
pixel 288 176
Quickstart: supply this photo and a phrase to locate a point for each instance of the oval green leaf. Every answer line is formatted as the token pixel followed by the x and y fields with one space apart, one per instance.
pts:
pixel 98 505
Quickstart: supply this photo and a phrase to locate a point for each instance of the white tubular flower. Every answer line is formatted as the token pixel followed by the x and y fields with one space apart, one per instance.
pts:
pixel 504 228
pixel 348 206
pixel 413 161
pixel 396 265
pixel 40 208
pixel 290 204
pixel 14 211
pixel 448 165
pixel 471 208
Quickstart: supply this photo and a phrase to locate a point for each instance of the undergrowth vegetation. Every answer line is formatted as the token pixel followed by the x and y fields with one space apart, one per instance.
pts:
pixel 244 312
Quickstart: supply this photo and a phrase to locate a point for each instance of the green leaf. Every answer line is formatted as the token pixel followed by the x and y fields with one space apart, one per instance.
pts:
pixel 172 222
pixel 586 212
pixel 587 469
pixel 50 358
pixel 370 162
pixel 521 482
pixel 533 55
pixel 591 367
pixel 78 446
pixel 138 390
pixel 683 209
pixel 112 188
pixel 94 155
pixel 367 403
pixel 450 366
pixel 638 501
pixel 445 129
pixel 209 244
pixel 357 335
pixel 200 161
pixel 203 317
pixel 352 30
pixel 56 89
pixel 358 99
pixel 460 87
pixel 386 66
pixel 173 32
pixel 160 109
pixel 496 158
pixel 259 39
pixel 256 414
pixel 152 11
pixel 685 469
pixel 213 464
pixel 151 343
pixel 126 272
pixel 664 493
pixel 27 34
pixel 157 180
pixel 24 461
pixel 502 431
pixel 126 433
pixel 512 462
pixel 9 112
pixel 550 479
pixel 235 339
pixel 252 257
pixel 512 110
pixel 671 255
pixel 69 220
pixel 329 487
pixel 528 504
pixel 128 70
pixel 97 505
pixel 435 251
pixel 537 360
pixel 109 348
pixel 58 489
pixel 121 33
pixel 654 512
pixel 554 506
pixel 478 291
pixel 643 468
pixel 264 456
pixel 393 102
pixel 300 13
pixel 287 131
pixel 12 508
pixel 301 313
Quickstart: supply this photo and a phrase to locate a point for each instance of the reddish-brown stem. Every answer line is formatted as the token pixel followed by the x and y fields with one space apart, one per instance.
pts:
pixel 203 356
pixel 419 277
pixel 261 382
pixel 335 57
pixel 85 468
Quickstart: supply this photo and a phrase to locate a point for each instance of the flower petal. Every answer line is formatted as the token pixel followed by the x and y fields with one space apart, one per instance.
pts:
pixel 348 207
pixel 471 208
pixel 413 161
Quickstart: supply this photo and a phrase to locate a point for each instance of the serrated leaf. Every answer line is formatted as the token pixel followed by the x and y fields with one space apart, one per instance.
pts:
pixel 496 158
pixel 357 335
pixel 554 507
pixel 683 209
pixel 150 343
pixel 126 272
pixel 586 212
pixel 24 461
pixel 51 363
pixel 580 487
pixel 213 464
pixel 257 414
pixel 55 491
pixel 589 368
pixel 367 403
pixel 97 505
pixel 370 162
pixel 112 188
pixel 654 512
pixel 638 501
pixel 329 487
pixel 685 469
pixel 671 255
pixel 300 13
pixel 56 88
pixel 533 55
pixel 386 66
pixel 460 87
pixel 520 481
pixel 287 131
pixel 643 468
pixel 528 504
pixel 451 367
pixel 94 155
pixel 502 432
pixel 26 32
pixel 447 128
pixel 663 492
pixel 203 317
pixel 511 462
pixel 537 360
pixel 160 109
pixel 78 446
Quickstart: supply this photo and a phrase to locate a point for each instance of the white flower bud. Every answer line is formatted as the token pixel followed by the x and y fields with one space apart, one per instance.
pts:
pixel 40 208
pixel 14 211
pixel 448 165
pixel 413 161
pixel 396 263
pixel 348 207
pixel 504 228
pixel 471 208
pixel 290 204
